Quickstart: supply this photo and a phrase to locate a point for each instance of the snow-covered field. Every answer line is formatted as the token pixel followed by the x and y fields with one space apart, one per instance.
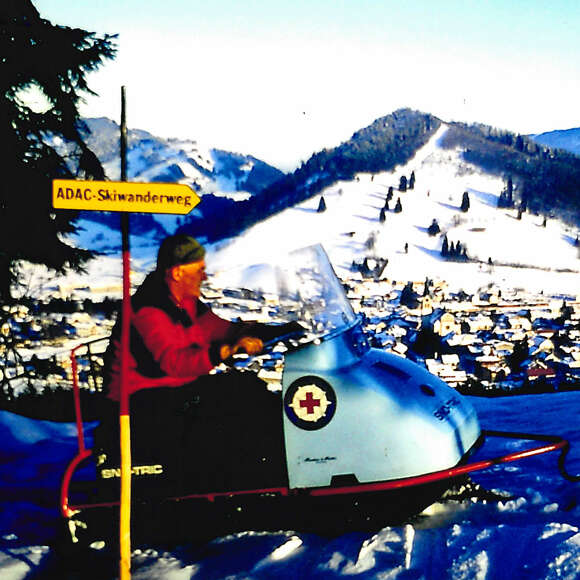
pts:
pixel 535 534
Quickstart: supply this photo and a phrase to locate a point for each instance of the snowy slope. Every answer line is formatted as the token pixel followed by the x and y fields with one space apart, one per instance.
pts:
pixel 535 534
pixel 352 215
pixel 151 158
pixel 524 253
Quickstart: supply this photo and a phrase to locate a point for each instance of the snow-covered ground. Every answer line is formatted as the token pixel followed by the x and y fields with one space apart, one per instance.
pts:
pixel 535 534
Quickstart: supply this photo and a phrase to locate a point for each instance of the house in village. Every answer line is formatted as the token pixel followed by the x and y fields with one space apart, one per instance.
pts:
pixel 491 368
pixel 519 322
pixel 541 344
pixel 539 370
pixel 447 369
pixel 477 323
pixel 426 305
pixel 490 296
pixel 440 322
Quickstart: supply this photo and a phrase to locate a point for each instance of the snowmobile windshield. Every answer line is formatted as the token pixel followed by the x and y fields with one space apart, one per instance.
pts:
pixel 301 287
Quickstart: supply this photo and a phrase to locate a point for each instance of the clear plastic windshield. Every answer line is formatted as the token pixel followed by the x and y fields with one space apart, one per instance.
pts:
pixel 301 287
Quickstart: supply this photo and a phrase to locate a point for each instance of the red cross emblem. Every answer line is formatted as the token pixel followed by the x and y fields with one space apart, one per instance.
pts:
pixel 309 403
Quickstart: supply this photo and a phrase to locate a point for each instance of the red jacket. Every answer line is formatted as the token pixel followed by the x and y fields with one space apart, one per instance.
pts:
pixel 169 345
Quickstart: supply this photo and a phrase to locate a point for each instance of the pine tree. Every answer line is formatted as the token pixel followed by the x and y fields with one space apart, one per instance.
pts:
pixel 371 241
pixel 398 206
pixel 383 215
pixel 403 183
pixel 510 191
pixel 465 202
pixel 54 61
pixel 506 198
pixel 434 228
pixel 321 205
pixel 390 193
pixel 412 180
pixel 445 247
pixel 519 354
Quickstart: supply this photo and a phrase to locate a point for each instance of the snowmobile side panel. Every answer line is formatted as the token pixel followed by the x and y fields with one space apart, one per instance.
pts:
pixel 360 413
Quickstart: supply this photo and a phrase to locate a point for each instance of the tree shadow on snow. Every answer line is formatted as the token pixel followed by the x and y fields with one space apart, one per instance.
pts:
pixel 306 209
pixel 487 198
pixel 449 206
pixel 433 253
pixel 364 217
pixel 569 239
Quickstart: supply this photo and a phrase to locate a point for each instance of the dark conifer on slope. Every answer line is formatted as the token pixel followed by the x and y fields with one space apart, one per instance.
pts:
pixel 465 202
pixel 53 60
pixel 434 228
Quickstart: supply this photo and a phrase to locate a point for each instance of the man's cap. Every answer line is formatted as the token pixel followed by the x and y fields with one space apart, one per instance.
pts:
pixel 178 249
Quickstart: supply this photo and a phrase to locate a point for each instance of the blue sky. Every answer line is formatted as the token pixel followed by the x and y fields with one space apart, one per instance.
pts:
pixel 281 79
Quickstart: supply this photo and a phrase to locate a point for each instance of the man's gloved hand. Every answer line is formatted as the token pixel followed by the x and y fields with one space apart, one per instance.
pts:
pixel 249 344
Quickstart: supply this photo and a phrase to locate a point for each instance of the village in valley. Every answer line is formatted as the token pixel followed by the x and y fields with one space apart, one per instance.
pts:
pixel 497 340
pixel 489 343
pixel 484 344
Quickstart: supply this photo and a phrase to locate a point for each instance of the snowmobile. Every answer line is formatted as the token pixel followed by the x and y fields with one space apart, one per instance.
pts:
pixel 353 438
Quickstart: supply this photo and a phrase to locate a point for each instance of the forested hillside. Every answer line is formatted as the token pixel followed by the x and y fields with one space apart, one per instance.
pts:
pixel 546 181
pixel 387 142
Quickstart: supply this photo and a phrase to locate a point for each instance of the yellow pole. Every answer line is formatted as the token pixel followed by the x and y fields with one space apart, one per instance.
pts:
pixel 125 513
pixel 124 422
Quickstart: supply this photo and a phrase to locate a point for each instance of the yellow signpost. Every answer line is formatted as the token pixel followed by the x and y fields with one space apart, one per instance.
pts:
pixel 125 197
pixel 170 198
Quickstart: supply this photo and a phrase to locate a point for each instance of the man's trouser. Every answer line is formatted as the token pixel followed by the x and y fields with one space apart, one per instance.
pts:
pixel 220 433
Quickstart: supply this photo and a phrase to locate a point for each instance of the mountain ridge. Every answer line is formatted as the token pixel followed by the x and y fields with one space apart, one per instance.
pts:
pixel 545 181
pixel 567 139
